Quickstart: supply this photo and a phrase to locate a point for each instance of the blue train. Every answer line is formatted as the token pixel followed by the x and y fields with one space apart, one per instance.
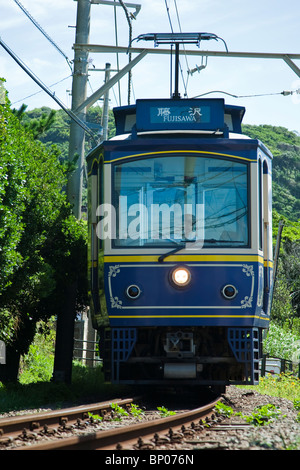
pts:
pixel 180 245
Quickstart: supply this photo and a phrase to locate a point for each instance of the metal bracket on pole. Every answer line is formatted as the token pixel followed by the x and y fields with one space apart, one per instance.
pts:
pixel 98 93
pixel 117 4
pixel 291 64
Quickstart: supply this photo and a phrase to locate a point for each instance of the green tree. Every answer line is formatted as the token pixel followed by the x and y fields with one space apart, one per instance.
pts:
pixel 285 146
pixel 286 303
pixel 42 246
pixel 37 126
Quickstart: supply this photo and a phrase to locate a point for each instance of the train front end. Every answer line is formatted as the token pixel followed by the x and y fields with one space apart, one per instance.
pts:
pixel 180 248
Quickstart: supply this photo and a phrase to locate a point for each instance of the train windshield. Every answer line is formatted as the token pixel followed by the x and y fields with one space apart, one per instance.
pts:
pixel 169 201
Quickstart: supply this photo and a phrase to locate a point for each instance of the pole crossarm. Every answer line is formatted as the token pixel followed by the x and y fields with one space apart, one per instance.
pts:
pixel 288 58
pixel 98 93
pixel 117 4
pixel 291 64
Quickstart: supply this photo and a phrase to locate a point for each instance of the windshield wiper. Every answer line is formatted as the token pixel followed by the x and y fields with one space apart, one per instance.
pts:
pixel 169 253
pixel 208 240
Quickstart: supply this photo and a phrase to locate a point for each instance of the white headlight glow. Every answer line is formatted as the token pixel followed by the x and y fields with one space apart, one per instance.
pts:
pixel 181 276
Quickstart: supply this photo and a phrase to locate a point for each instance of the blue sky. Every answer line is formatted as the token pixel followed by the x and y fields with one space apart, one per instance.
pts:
pixel 256 26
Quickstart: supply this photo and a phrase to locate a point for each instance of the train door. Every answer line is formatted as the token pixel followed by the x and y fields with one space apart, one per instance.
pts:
pixel 267 234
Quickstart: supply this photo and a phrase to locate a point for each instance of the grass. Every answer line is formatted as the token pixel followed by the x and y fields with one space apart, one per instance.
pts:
pixel 87 386
pixel 282 385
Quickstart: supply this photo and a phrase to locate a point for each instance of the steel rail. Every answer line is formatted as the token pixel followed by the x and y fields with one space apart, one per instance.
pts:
pixel 31 421
pixel 111 439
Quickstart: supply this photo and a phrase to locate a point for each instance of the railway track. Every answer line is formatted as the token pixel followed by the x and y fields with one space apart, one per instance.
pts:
pixel 27 427
pixel 76 429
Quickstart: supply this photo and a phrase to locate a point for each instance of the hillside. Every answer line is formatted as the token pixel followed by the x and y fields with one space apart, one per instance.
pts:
pixel 284 144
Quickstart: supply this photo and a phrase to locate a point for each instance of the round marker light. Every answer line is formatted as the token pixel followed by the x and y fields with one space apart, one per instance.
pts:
pixel 229 291
pixel 133 292
pixel 181 277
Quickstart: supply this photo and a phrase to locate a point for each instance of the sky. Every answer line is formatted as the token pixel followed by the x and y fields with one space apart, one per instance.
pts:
pixel 271 26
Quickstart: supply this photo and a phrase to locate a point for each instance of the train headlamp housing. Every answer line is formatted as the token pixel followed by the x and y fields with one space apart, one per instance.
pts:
pixel 229 291
pixel 133 291
pixel 181 276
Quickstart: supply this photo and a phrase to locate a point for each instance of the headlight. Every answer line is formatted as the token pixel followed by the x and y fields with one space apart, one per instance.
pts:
pixel 181 277
pixel 229 291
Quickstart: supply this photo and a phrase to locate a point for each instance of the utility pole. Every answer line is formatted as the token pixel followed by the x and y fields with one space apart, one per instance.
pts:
pixel 65 321
pixel 105 104
pixel 64 343
pixel 79 93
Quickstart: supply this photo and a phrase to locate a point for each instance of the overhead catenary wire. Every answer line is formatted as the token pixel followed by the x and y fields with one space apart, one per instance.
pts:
pixel 185 55
pixel 284 93
pixel 44 32
pixel 45 88
pixel 39 27
pixel 130 39
pixel 172 30
pixel 117 55
pixel 40 91
pixel 204 36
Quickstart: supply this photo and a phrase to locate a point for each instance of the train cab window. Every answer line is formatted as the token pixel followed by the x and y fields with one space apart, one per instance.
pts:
pixel 171 200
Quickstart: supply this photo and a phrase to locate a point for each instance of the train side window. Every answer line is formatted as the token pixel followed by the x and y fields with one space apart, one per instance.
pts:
pixel 260 202
pixel 267 188
pixel 100 194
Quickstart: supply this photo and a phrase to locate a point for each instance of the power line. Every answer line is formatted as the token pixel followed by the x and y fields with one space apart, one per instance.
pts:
pixel 43 32
pixel 36 93
pixel 284 93
pixel 168 13
pixel 179 24
pixel 171 26
pixel 117 55
pixel 45 88
pixel 130 39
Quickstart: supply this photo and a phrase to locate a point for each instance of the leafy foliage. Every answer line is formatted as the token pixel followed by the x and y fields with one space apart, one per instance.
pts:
pixel 164 412
pixel 42 246
pixel 285 146
pixel 281 342
pixel 39 126
pixel 223 409
pixel 263 415
pixel 57 134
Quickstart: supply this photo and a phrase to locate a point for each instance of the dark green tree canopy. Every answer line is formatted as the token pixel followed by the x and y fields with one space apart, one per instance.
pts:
pixel 42 246
pixel 285 146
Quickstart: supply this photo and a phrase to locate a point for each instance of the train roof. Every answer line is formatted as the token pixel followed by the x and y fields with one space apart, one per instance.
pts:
pixel 184 118
pixel 206 115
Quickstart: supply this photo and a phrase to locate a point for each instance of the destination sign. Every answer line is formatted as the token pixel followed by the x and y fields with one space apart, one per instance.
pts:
pixel 206 114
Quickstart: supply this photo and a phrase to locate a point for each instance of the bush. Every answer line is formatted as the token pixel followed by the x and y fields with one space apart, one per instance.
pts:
pixel 281 343
pixel 42 245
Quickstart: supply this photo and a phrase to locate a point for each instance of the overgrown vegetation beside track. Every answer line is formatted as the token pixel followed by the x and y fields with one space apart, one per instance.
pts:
pixel 42 245
pixel 44 394
pixel 88 386
pixel 282 385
